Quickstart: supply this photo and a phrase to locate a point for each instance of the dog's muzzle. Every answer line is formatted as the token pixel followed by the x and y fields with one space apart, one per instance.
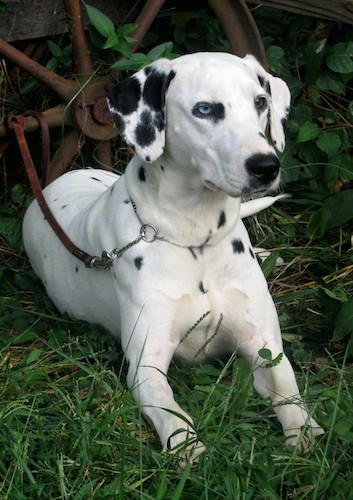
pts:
pixel 264 167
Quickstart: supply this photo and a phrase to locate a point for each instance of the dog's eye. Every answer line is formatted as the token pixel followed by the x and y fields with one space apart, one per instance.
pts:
pixel 213 111
pixel 203 108
pixel 260 102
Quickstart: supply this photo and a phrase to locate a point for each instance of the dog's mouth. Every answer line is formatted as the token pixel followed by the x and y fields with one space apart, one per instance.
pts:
pixel 210 185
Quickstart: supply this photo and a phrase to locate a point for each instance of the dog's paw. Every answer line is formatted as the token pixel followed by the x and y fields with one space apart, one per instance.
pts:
pixel 185 447
pixel 303 439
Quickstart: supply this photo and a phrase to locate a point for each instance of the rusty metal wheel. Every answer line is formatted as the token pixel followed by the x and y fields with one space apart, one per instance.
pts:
pixel 83 108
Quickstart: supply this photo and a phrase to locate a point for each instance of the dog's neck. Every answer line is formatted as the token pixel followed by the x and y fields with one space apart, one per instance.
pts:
pixel 179 205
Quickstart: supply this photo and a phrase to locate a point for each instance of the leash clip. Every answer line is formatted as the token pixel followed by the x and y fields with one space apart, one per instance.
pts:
pixel 105 261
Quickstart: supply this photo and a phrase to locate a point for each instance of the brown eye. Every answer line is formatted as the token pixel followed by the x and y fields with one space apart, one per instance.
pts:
pixel 261 102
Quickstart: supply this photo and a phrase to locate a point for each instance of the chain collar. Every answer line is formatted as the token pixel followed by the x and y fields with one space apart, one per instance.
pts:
pixel 148 233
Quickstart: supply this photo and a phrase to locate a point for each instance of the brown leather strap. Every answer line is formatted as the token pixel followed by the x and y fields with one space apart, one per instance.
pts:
pixel 44 130
pixel 16 123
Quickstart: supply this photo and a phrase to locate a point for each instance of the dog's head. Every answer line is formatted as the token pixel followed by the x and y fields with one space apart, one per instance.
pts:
pixel 206 112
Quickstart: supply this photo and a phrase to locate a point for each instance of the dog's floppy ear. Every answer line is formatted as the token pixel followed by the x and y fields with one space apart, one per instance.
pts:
pixel 138 108
pixel 279 99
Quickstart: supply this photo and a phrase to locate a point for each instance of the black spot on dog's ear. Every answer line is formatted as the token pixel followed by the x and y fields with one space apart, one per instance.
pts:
pixel 201 288
pixel 265 84
pixel 221 220
pixel 145 132
pixel 125 97
pixel 138 262
pixel 238 246
pixel 141 174
pixel 251 253
pixel 153 90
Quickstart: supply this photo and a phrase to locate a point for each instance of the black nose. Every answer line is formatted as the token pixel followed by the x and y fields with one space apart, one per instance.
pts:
pixel 264 167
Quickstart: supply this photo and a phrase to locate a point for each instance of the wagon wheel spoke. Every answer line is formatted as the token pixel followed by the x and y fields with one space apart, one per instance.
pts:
pixel 66 152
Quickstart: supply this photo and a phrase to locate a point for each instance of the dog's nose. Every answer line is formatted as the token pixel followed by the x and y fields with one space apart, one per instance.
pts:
pixel 264 167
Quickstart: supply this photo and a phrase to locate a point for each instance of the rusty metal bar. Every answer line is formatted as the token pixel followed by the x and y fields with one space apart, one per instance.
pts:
pixel 145 19
pixel 240 28
pixel 56 117
pixel 64 154
pixel 103 155
pixel 64 88
pixel 82 58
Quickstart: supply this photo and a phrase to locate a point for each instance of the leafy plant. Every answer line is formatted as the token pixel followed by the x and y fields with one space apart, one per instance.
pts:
pixel 119 40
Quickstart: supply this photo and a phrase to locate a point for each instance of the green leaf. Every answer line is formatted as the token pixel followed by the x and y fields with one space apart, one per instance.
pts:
pixel 133 63
pixel 34 356
pixel 329 143
pixel 340 59
pixel 160 50
pixel 331 81
pixel 308 132
pixel 340 208
pixel 113 39
pixel 266 354
pixel 100 21
pixel 54 49
pixel 344 321
pixel 318 223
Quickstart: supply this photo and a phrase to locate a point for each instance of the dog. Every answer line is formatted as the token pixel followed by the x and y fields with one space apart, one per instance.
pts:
pixel 178 273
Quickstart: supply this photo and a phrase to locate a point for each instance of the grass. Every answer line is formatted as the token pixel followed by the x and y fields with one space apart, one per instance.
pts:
pixel 69 428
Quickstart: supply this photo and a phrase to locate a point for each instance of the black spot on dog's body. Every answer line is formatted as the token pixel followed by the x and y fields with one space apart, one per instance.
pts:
pixel 238 246
pixel 64 206
pixel 138 261
pixel 191 250
pixel 125 97
pixel 251 253
pixel 141 174
pixel 76 269
pixel 148 158
pixel 202 288
pixel 145 132
pixel 95 179
pixel 45 256
pixel 162 168
pixel 126 202
pixel 221 220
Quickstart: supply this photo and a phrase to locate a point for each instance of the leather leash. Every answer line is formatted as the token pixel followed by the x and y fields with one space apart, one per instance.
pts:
pixel 16 124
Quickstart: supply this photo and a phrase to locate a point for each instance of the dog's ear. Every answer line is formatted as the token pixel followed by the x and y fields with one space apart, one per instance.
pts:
pixel 279 99
pixel 138 108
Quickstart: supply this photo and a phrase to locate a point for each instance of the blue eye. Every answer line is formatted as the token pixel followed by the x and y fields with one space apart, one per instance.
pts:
pixel 204 109
pixel 213 111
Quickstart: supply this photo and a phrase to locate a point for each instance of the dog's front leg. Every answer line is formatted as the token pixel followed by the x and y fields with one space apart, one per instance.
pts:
pixel 278 382
pixel 149 351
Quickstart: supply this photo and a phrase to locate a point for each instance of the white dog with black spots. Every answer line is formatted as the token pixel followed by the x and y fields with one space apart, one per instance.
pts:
pixel 174 219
